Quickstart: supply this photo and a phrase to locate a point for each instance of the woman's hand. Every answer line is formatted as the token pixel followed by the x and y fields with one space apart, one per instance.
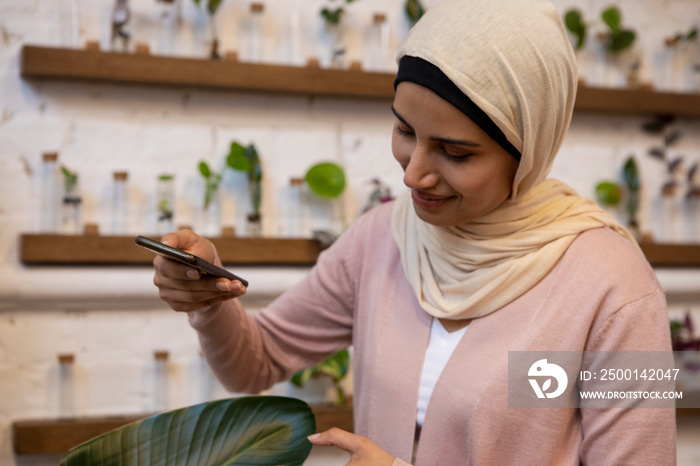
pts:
pixel 362 451
pixel 184 288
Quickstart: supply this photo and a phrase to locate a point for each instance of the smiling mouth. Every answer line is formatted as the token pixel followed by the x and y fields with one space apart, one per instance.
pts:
pixel 428 201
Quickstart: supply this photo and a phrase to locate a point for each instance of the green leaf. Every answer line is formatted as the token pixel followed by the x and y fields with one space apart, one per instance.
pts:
pixel 254 177
pixel 414 10
pixel 334 16
pixel 612 17
pixel 620 40
pixel 692 34
pixel 213 5
pixel 237 159
pixel 70 179
pixel 196 2
pixel 608 193
pixel 255 430
pixel 574 23
pixel 630 174
pixel 326 179
pixel 204 169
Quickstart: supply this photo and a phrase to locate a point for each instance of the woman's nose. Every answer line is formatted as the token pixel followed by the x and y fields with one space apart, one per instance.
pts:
pixel 420 172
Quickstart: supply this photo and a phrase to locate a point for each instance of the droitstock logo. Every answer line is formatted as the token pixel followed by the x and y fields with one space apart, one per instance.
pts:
pixel 544 371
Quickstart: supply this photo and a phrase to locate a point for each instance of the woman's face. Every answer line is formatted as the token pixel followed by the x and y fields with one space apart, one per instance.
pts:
pixel 456 172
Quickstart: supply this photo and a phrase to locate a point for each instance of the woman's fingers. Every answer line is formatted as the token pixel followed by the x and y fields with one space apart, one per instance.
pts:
pixel 362 451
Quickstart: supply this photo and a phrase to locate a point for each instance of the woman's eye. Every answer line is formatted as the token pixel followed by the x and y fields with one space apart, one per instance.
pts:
pixel 403 132
pixel 454 157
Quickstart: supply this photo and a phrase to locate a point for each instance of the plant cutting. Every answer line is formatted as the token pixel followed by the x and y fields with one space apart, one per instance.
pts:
pixel 414 10
pixel 259 430
pixel 71 201
pixel 617 38
pixel 246 159
pixel 333 18
pixel 630 176
pixel 212 180
pixel 326 179
pixel 573 20
pixel 212 7
pixel 336 367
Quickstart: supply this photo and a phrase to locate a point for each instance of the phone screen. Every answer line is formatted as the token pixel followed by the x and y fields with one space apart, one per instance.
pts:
pixel 187 258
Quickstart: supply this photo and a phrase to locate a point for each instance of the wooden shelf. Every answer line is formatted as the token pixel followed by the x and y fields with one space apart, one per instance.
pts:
pixel 672 255
pixel 51 436
pixel 44 249
pixel 94 65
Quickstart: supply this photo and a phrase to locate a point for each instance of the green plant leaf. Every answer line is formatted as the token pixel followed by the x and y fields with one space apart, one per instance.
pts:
pixel 574 23
pixel 692 34
pixel 612 17
pixel 204 169
pixel 620 40
pixel 326 179
pixel 254 430
pixel 332 16
pixel 608 193
pixel 237 159
pixel 414 10
pixel 213 5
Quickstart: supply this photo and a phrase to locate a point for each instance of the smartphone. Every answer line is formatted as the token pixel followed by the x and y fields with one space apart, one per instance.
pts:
pixel 187 258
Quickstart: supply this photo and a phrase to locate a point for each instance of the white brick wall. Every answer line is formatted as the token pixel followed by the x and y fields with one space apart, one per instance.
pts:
pixel 110 318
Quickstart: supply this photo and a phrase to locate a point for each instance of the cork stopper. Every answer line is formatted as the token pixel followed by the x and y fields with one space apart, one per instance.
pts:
pixel 379 17
pixel 160 355
pixel 120 176
pixel 296 181
pixel 66 358
pixel 257 7
pixel 49 156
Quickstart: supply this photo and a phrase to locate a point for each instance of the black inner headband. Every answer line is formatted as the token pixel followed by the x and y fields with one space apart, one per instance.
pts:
pixel 426 74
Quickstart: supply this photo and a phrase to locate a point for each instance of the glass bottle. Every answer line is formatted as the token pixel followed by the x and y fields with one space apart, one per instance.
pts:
pixel 69 23
pixel 121 13
pixel 378 42
pixel 168 18
pixel 160 381
pixel 66 386
pixel 49 194
pixel 256 32
pixel 165 220
pixel 295 211
pixel 71 203
pixel 254 226
pixel 119 203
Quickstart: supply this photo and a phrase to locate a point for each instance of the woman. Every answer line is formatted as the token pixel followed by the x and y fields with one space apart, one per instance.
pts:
pixel 483 257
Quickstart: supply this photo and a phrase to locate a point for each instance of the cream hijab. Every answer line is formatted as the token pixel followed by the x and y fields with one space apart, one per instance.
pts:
pixel 513 59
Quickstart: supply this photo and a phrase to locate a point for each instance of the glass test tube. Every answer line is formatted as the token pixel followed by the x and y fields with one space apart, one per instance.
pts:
pixel 49 205
pixel 256 32
pixel 165 221
pixel 119 202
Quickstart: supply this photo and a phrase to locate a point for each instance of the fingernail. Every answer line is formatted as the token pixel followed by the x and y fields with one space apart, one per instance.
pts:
pixel 192 274
pixel 313 436
pixel 223 286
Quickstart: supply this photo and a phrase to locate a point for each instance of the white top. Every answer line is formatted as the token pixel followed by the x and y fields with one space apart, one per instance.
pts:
pixel 442 345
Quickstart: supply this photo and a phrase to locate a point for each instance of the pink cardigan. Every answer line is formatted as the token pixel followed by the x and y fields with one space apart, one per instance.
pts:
pixel 602 295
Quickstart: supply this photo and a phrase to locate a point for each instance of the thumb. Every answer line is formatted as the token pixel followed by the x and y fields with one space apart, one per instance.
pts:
pixel 336 437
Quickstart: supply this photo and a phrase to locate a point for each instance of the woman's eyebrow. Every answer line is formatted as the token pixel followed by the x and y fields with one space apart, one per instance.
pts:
pixel 401 119
pixel 451 141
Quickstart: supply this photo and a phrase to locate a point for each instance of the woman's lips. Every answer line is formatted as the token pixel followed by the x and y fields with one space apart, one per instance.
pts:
pixel 428 201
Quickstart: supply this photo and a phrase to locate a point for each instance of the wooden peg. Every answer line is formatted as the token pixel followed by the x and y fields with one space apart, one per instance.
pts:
pixel 161 355
pixel 228 231
pixel 92 45
pixel 231 55
pixel 91 229
pixel 142 49
pixel 356 65
pixel 313 62
pixel 66 358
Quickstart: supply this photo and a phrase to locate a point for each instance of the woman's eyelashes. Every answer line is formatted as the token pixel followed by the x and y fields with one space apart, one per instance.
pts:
pixel 409 133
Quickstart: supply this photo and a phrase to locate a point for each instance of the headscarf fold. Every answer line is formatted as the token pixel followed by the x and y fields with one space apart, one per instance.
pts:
pixel 513 59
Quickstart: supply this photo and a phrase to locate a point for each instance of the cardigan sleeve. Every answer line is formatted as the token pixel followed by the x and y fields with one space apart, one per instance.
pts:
pixel 249 352
pixel 614 436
